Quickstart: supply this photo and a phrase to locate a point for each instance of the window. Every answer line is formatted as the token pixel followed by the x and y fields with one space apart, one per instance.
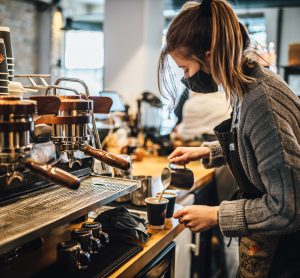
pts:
pixel 84 50
pixel 256 25
pixel 84 58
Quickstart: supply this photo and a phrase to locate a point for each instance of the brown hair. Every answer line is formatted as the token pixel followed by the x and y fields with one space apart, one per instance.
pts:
pixel 210 26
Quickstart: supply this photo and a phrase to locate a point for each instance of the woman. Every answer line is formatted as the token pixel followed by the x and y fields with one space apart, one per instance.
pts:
pixel 260 143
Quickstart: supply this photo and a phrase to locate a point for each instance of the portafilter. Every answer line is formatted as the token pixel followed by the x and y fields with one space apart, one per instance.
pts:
pixel 70 128
pixel 16 125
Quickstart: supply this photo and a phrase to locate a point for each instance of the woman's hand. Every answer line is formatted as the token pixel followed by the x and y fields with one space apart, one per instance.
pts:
pixel 197 218
pixel 183 155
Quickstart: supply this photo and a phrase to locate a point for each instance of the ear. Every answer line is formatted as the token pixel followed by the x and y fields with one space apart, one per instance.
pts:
pixel 207 56
pixel 207 61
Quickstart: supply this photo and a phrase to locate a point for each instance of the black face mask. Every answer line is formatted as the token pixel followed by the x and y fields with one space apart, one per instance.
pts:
pixel 200 82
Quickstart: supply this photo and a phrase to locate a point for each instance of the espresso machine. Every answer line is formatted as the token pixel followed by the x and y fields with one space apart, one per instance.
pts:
pixel 71 132
pixel 45 142
pixel 53 135
pixel 16 161
pixel 48 146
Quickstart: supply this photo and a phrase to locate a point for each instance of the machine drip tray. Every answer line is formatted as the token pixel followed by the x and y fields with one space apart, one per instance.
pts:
pixel 30 216
pixel 103 264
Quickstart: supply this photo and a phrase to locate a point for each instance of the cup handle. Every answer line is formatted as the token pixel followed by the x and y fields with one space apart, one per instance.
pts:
pixel 104 237
pixel 96 245
pixel 84 260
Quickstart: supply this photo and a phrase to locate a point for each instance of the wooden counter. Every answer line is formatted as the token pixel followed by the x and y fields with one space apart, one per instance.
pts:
pixel 159 239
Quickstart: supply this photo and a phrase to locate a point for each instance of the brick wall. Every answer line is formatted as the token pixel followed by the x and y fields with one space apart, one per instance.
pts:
pixel 21 17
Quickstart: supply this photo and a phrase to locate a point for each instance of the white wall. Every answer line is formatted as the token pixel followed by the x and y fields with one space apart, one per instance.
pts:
pixel 123 53
pixel 153 30
pixel 132 43
pixel 271 16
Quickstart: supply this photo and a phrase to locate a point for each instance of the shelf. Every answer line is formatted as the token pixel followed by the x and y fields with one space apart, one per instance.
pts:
pixel 32 215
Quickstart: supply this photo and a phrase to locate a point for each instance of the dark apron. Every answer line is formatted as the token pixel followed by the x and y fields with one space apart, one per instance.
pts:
pixel 260 255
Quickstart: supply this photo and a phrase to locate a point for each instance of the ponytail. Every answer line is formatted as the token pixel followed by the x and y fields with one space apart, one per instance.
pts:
pixel 229 41
pixel 210 26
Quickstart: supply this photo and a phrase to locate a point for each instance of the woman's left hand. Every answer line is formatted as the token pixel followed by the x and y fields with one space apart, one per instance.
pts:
pixel 197 218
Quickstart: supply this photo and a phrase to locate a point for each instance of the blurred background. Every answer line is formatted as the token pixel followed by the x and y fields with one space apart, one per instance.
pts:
pixel 114 45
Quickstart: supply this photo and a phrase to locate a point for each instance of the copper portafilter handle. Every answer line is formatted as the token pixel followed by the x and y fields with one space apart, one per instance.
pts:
pixel 107 158
pixel 54 174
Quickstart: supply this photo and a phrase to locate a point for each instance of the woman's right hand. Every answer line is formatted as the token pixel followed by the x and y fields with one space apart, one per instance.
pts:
pixel 183 155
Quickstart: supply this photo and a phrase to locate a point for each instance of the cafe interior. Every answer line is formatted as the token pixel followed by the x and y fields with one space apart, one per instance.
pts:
pixel 85 136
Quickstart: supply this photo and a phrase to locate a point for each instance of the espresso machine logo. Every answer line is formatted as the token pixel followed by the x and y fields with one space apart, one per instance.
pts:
pixel 2 57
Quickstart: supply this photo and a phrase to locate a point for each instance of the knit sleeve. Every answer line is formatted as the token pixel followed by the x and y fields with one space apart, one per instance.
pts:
pixel 271 128
pixel 216 158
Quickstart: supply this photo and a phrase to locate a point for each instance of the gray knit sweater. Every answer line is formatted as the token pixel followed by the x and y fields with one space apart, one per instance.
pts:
pixel 269 147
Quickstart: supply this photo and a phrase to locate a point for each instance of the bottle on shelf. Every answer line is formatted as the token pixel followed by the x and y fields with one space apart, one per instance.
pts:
pixel 124 130
pixel 133 137
pixel 272 57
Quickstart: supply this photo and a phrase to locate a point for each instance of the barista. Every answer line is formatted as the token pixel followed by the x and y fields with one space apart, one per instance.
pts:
pixel 260 142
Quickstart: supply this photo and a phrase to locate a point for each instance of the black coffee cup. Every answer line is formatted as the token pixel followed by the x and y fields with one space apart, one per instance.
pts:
pixel 180 176
pixel 95 227
pixel 87 241
pixel 70 256
pixel 97 232
pixel 171 196
pixel 156 212
pixel 5 35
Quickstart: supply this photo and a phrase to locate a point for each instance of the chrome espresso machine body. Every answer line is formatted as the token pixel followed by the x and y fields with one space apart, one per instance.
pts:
pixel 16 123
pixel 16 160
pixel 55 130
pixel 71 131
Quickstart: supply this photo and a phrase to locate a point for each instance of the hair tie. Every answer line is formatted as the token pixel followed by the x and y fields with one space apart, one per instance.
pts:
pixel 205 8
